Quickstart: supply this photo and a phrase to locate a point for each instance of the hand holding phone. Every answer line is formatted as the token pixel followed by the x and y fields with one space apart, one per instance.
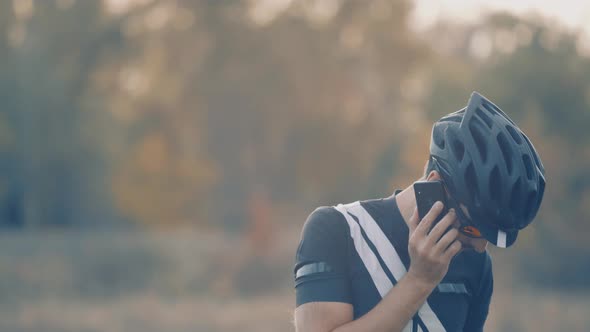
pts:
pixel 431 246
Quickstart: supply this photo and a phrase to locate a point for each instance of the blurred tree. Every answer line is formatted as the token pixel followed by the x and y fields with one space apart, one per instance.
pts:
pixel 300 103
pixel 54 172
pixel 168 112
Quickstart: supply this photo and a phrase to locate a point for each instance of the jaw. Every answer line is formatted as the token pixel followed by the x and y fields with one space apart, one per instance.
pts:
pixel 468 243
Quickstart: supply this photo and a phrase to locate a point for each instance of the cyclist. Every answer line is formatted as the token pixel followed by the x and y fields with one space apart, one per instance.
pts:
pixel 373 265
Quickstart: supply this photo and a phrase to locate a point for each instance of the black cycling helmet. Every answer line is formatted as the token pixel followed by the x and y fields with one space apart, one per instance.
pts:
pixel 488 164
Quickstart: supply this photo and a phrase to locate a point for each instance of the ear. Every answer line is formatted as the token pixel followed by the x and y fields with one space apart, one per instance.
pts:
pixel 433 176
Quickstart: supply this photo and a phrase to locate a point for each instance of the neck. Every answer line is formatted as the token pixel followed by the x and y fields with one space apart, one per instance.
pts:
pixel 406 202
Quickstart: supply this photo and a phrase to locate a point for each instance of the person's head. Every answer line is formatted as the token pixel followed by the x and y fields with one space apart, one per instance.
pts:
pixel 490 169
pixel 469 237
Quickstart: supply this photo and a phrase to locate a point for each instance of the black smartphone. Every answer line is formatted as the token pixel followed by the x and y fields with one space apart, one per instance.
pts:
pixel 427 193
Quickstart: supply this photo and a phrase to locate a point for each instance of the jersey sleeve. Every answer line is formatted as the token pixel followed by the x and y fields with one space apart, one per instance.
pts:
pixel 480 304
pixel 321 262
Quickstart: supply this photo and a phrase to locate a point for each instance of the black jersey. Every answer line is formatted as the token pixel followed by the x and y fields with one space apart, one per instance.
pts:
pixel 355 254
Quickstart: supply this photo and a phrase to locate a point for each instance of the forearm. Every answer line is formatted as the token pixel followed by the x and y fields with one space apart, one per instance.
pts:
pixel 395 309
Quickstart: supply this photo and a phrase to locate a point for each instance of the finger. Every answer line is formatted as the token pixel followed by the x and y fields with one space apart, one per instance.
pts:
pixel 452 250
pixel 446 240
pixel 426 223
pixel 414 220
pixel 446 222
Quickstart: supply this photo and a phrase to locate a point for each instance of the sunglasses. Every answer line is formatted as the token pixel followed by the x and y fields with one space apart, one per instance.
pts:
pixel 466 227
pixel 471 232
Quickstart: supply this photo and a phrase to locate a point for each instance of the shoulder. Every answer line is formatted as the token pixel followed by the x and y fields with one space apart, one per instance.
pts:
pixel 324 237
pixel 324 214
pixel 486 275
pixel 481 261
pixel 324 221
pixel 484 261
pixel 483 275
pixel 322 259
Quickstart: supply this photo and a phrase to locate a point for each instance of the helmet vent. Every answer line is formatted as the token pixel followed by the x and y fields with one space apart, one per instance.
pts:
pixel 506 151
pixel 494 184
pixel 515 136
pixel 471 181
pixel 480 142
pixel 458 149
pixel 528 164
pixel 495 110
pixel 515 201
pixel 490 107
pixel 484 117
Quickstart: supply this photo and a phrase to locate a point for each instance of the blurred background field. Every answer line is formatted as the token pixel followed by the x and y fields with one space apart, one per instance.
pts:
pixel 158 158
pixel 187 281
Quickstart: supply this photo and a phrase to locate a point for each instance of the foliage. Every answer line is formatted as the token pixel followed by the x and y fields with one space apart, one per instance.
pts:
pixel 213 113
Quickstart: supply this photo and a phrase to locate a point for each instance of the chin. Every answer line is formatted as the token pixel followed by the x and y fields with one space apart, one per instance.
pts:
pixel 467 249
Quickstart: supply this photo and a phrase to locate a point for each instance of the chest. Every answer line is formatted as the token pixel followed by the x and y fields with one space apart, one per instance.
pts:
pixel 450 301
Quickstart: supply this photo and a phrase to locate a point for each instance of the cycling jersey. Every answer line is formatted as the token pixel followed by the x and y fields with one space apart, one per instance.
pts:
pixel 355 254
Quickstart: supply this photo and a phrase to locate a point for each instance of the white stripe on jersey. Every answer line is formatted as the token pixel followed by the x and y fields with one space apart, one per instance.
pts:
pixel 380 279
pixel 368 257
pixel 388 254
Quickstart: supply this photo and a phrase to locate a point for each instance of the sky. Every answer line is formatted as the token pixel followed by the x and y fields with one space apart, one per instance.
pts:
pixel 574 14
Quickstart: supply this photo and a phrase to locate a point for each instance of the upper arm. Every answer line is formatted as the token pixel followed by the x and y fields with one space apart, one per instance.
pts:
pixel 322 283
pixel 322 316
pixel 321 267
